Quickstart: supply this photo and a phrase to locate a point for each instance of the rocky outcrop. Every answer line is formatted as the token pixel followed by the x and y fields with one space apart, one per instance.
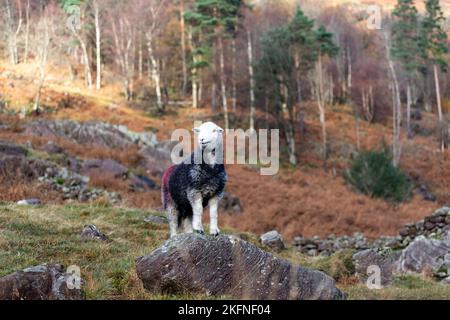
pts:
pixel 156 158
pixel 44 282
pixel 229 266
pixel 93 132
pixel 7 148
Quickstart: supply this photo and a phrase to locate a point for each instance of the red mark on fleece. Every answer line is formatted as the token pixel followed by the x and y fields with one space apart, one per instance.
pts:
pixel 165 194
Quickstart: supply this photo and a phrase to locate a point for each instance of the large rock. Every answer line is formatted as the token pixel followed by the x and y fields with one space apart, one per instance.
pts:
pixel 44 282
pixel 273 240
pixel 365 260
pixel 91 232
pixel 229 266
pixel 423 253
pixel 230 203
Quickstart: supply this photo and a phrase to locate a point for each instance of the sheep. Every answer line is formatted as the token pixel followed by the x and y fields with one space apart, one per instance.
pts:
pixel 197 182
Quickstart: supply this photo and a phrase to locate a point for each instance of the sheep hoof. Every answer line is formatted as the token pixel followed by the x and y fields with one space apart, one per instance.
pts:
pixel 199 232
pixel 215 235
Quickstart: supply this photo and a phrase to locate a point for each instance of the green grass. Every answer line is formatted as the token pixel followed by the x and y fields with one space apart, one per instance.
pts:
pixel 410 287
pixel 50 234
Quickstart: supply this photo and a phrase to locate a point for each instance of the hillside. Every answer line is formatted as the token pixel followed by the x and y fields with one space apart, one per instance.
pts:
pixel 291 202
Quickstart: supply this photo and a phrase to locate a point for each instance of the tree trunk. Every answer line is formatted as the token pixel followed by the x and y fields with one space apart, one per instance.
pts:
pixel 194 72
pixel 439 107
pixel 42 58
pixel 27 32
pixel 98 45
pixel 223 82
pixel 233 67
pixel 321 105
pixel 408 111
pixel 155 73
pixel 87 67
pixel 140 60
pixel 396 108
pixel 183 47
pixel 13 32
pixel 252 81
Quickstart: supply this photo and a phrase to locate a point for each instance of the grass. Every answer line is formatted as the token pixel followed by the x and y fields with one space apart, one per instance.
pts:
pixel 50 234
pixel 410 287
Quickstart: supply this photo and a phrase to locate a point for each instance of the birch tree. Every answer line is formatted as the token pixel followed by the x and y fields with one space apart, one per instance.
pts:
pixel 433 42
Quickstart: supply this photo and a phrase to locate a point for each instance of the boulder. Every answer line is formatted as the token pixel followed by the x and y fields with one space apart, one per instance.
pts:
pixel 230 203
pixel 372 257
pixel 156 219
pixel 44 282
pixel 29 202
pixel 273 240
pixel 421 254
pixel 229 266
pixel 107 167
pixel 91 232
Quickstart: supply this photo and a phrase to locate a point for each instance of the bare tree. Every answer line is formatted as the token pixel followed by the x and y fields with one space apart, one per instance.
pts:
pixel 194 72
pixel 27 31
pixel 183 47
pixel 97 44
pixel 13 29
pixel 153 29
pixel 318 85
pixel 396 104
pixel 85 55
pixel 252 80
pixel 42 41
pixel 123 40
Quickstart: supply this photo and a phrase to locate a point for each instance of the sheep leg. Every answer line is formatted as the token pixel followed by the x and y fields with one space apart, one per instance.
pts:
pixel 197 209
pixel 213 216
pixel 172 216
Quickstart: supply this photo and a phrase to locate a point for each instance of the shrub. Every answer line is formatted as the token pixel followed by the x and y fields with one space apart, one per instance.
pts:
pixel 372 173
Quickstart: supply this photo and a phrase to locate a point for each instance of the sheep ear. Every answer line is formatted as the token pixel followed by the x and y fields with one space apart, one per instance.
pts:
pixel 196 130
pixel 218 129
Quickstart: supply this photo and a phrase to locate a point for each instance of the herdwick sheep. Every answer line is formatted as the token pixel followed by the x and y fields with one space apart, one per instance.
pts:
pixel 197 182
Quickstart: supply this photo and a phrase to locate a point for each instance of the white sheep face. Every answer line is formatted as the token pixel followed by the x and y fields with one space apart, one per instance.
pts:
pixel 209 135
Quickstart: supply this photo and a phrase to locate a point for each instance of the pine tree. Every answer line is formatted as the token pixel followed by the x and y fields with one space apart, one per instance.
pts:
pixel 215 20
pixel 302 36
pixel 405 45
pixel 433 44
